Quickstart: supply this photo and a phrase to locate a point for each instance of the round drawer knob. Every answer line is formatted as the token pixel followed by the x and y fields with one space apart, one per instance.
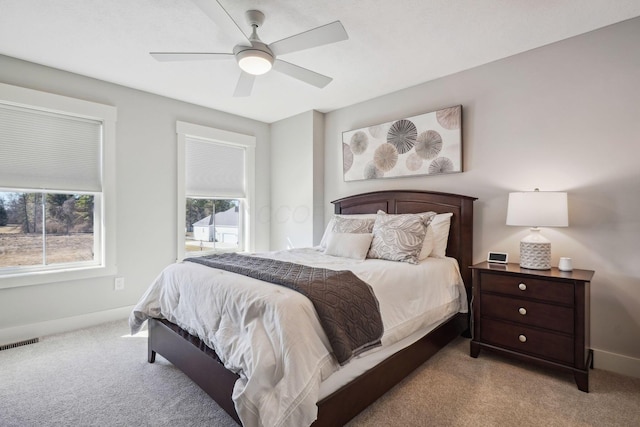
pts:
pixel 522 287
pixel 522 338
pixel 522 311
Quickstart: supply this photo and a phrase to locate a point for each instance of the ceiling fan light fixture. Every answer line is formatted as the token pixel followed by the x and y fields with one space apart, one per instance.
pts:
pixel 253 56
pixel 254 61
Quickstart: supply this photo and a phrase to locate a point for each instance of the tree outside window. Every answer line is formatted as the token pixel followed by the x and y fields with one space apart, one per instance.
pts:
pixel 45 228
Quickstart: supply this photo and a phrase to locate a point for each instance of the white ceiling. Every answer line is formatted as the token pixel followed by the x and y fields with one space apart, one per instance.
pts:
pixel 393 44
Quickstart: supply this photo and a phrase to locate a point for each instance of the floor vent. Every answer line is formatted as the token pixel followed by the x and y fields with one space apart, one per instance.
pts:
pixel 19 344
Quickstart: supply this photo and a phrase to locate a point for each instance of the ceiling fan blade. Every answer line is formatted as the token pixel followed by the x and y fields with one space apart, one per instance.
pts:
pixel 189 56
pixel 245 84
pixel 214 10
pixel 330 33
pixel 303 74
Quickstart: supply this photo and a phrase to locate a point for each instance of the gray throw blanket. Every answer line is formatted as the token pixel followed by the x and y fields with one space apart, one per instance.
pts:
pixel 347 307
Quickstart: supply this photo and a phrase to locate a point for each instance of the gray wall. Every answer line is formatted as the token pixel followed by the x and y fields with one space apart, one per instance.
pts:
pixel 297 172
pixel 145 195
pixel 563 117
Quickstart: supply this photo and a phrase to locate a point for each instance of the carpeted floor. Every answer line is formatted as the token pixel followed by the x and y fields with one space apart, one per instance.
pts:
pixel 100 377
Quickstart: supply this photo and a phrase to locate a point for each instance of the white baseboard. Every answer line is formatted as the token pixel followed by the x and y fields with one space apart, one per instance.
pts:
pixel 617 363
pixel 56 326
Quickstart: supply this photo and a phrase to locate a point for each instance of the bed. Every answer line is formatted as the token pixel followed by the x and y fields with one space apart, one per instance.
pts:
pixel 345 398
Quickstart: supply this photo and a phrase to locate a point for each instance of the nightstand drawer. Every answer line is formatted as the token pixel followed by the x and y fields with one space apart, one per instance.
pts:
pixel 525 287
pixel 530 341
pixel 527 312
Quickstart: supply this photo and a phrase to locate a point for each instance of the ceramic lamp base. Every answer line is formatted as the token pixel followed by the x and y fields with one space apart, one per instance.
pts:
pixel 535 256
pixel 535 251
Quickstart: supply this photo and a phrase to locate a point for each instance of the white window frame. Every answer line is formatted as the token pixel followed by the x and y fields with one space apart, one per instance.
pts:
pixel 104 203
pixel 248 142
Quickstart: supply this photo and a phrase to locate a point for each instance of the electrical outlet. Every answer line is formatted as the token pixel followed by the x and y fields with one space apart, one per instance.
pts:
pixel 118 284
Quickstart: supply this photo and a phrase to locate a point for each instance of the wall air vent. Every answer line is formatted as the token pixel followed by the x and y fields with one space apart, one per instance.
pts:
pixel 19 344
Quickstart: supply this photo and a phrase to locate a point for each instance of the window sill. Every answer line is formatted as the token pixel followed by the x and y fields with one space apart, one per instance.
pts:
pixel 23 278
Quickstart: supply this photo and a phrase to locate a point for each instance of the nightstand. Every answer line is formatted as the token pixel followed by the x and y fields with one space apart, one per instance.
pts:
pixel 539 316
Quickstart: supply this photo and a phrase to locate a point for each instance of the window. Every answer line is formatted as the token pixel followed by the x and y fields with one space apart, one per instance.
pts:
pixel 56 158
pixel 41 229
pixel 213 225
pixel 215 190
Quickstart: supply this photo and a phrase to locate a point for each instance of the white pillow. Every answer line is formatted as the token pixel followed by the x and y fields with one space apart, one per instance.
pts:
pixel 349 245
pixel 427 244
pixel 438 236
pixel 329 229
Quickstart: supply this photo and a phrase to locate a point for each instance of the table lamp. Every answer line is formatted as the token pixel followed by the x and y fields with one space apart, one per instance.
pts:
pixel 537 209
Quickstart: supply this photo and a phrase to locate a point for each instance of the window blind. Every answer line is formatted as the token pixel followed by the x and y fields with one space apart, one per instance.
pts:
pixel 49 151
pixel 214 169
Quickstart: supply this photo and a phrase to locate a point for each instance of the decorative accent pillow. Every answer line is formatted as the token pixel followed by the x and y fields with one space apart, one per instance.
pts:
pixel 399 237
pixel 329 229
pixel 440 228
pixel 349 245
pixel 353 225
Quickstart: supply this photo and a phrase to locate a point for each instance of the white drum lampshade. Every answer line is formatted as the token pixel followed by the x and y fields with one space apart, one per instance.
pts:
pixel 537 209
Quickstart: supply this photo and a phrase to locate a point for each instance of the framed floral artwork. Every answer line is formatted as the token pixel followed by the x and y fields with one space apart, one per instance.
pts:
pixel 428 144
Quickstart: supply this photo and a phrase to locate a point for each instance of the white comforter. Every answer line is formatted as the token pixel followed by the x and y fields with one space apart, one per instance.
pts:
pixel 271 336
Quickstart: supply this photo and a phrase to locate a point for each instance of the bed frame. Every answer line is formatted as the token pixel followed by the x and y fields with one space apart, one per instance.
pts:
pixel 201 364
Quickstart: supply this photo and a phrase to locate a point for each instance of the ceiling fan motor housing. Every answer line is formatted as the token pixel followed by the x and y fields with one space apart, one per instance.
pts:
pixel 256 59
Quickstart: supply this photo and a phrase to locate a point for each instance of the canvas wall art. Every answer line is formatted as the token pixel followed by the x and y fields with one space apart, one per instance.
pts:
pixel 427 144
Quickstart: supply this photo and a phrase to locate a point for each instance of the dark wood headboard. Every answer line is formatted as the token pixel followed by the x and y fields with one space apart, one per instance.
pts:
pixel 460 243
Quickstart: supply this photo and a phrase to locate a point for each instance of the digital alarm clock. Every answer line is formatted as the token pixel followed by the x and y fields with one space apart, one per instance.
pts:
pixel 497 257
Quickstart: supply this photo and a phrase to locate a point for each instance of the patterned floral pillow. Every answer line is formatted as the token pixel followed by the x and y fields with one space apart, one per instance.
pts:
pixel 353 225
pixel 399 237
pixel 329 228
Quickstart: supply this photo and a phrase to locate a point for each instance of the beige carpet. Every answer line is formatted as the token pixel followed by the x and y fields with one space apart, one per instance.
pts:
pixel 453 389
pixel 99 376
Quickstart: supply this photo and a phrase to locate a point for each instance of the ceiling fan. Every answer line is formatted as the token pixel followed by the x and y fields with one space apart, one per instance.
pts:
pixel 254 56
